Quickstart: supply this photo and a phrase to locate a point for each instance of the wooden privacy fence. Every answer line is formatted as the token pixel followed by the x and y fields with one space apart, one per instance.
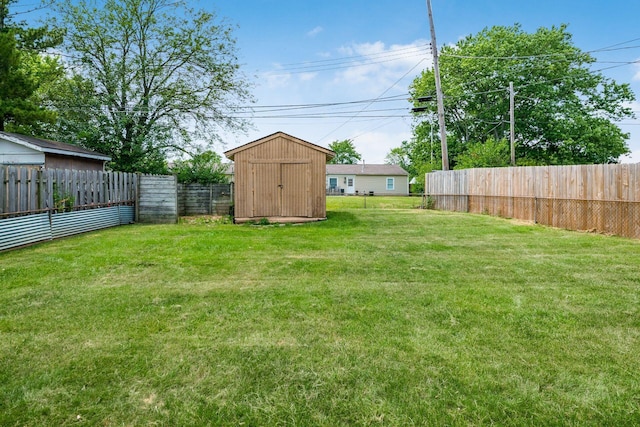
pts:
pixel 210 199
pixel 158 199
pixel 599 198
pixel 27 190
pixel 44 204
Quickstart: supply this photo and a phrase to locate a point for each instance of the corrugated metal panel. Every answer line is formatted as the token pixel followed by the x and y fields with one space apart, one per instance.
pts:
pixel 127 214
pixel 24 230
pixel 69 223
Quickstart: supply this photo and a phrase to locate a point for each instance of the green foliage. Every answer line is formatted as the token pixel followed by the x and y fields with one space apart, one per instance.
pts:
pixel 62 200
pixel 420 155
pixel 564 112
pixel 154 77
pixel 430 203
pixel 25 74
pixel 346 153
pixel 398 156
pixel 490 154
pixel 203 168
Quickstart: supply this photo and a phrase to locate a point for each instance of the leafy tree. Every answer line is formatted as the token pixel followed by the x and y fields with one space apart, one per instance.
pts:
pixel 154 77
pixel 398 156
pixel 204 168
pixel 25 73
pixel 346 153
pixel 490 154
pixel 564 112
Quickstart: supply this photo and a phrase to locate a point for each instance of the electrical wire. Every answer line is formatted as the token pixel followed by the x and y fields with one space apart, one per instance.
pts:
pixel 380 96
pixel 352 58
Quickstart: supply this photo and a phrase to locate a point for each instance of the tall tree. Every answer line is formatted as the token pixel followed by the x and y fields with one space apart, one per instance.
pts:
pixel 565 113
pixel 153 77
pixel 25 72
pixel 346 153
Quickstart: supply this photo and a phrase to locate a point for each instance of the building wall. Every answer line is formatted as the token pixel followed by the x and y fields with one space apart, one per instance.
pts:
pixel 376 183
pixel 301 166
pixel 14 154
pixel 56 161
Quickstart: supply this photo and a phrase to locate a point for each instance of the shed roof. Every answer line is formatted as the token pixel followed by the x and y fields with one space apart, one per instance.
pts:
pixel 53 147
pixel 231 153
pixel 364 169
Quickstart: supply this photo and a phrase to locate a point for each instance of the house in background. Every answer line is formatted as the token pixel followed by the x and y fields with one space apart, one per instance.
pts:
pixel 22 150
pixel 281 178
pixel 384 180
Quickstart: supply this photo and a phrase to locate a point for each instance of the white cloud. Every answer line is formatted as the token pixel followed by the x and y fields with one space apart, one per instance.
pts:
pixel 307 76
pixel 378 67
pixel 315 31
pixel 636 76
pixel 375 145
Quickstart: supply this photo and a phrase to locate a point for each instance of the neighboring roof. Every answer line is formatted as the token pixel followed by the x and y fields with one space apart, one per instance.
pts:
pixel 330 154
pixel 363 169
pixel 52 147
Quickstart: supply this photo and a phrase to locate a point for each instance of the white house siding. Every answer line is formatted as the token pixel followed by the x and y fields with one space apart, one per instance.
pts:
pixel 14 154
pixel 378 184
pixel 342 183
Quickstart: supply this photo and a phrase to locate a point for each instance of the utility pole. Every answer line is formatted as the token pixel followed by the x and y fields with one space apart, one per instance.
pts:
pixel 512 123
pixel 439 97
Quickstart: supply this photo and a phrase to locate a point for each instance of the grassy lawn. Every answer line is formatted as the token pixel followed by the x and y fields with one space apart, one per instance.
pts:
pixel 374 317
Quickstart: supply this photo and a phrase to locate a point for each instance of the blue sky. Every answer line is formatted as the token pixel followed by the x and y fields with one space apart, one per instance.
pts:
pixel 301 52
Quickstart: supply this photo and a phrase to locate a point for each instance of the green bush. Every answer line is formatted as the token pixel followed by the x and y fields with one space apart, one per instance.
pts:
pixel 203 168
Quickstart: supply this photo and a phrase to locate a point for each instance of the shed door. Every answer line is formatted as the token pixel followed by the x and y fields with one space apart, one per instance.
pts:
pixel 266 193
pixel 296 194
pixel 281 189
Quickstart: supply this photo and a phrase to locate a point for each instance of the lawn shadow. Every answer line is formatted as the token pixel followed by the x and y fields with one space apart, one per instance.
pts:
pixel 341 218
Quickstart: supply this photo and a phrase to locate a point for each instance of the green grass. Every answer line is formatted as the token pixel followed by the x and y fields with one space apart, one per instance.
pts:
pixel 374 317
pixel 373 202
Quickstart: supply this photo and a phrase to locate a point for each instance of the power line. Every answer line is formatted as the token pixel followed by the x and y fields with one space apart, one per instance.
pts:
pixel 354 57
pixel 353 64
pixel 379 97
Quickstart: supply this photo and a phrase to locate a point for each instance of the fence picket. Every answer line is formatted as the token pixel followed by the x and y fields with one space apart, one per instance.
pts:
pixel 25 190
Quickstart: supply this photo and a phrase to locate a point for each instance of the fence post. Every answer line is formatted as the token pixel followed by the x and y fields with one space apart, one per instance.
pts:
pixel 3 189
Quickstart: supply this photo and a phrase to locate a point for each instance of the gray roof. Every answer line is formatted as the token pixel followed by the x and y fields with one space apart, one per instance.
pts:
pixel 364 169
pixel 53 147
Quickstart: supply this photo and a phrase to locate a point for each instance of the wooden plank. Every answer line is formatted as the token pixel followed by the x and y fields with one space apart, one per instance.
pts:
pixel 33 189
pixel 23 189
pixel 13 189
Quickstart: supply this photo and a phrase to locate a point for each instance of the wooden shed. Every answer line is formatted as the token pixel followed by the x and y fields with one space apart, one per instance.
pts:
pixel 281 178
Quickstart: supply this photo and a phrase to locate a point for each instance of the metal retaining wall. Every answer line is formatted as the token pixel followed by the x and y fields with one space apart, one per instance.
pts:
pixel 25 230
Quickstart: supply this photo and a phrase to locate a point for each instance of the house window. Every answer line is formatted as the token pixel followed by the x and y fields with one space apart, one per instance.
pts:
pixel 390 184
pixel 350 182
pixel 333 183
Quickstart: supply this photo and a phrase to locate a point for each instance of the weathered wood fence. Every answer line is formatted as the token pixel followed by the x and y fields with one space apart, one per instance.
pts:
pixel 158 199
pixel 599 198
pixel 42 204
pixel 25 190
pixel 198 199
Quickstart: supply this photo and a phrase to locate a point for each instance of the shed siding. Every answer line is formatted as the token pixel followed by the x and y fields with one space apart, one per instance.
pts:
pixel 260 170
